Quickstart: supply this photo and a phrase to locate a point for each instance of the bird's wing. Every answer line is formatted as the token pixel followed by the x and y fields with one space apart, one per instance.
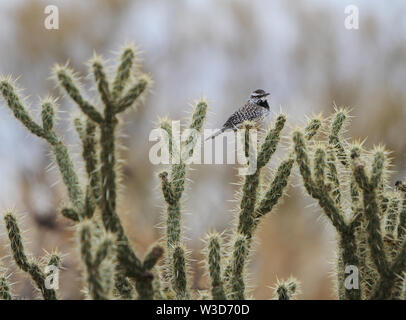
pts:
pixel 233 120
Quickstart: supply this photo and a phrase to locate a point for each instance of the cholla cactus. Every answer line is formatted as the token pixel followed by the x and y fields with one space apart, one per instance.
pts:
pixel 388 253
pixel 344 178
pixel 228 275
pixel 173 186
pixel 256 202
pixel 116 96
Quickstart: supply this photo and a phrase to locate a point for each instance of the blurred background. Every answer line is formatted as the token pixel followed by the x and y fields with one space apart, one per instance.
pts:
pixel 300 51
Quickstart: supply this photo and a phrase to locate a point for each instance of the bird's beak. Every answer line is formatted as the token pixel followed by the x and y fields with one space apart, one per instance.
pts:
pixel 266 94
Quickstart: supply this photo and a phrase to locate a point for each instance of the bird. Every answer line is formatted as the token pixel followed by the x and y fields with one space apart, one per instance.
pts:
pixel 256 109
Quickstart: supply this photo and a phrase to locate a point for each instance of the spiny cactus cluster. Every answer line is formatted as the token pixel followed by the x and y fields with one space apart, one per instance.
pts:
pixel 113 269
pixel 226 261
pixel 350 184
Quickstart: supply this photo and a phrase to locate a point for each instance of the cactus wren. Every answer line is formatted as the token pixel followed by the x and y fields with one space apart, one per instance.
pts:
pixel 256 109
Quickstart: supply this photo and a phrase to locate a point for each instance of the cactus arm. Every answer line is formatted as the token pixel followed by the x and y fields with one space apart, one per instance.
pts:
pixel 66 81
pixel 22 261
pixel 213 256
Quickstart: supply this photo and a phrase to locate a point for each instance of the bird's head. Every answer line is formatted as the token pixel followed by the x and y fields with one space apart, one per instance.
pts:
pixel 259 96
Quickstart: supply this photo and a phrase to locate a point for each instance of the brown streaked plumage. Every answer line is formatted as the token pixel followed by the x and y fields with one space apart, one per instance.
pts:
pixel 256 109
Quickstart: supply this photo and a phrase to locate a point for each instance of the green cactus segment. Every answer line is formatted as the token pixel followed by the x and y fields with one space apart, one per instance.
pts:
pixel 27 265
pixel 276 189
pixel 371 213
pixel 179 280
pixel 390 239
pixel 89 153
pixel 93 255
pixel 65 78
pixel 21 114
pixel 316 187
pixel 70 214
pixel 123 72
pixel 391 221
pixel 247 220
pixel 402 214
pixel 5 293
pixel 69 175
pixel 315 182
pixel 312 128
pixel 270 143
pixel 152 257
pixel 101 81
pixel 167 127
pixel 240 253
pixel 336 126
pixel 63 159
pixel 131 96
pixel 213 257
pixel 333 182
pixel 287 290
pixel 47 115
pixel 167 189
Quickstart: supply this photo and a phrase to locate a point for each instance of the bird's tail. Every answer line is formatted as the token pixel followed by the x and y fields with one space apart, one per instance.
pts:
pixel 216 134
